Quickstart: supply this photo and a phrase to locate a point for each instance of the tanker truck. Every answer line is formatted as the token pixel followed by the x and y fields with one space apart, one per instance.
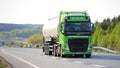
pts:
pixel 68 34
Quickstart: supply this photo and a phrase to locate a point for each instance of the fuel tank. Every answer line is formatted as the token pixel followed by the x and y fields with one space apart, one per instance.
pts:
pixel 50 28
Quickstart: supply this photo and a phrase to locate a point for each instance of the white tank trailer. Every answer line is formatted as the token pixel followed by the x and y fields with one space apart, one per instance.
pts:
pixel 50 28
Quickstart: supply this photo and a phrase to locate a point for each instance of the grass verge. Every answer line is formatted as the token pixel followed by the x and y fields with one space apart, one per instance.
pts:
pixel 4 63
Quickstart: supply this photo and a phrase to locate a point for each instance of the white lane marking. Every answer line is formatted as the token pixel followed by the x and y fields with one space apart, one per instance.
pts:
pixel 64 59
pixel 79 62
pixel 21 59
pixel 101 66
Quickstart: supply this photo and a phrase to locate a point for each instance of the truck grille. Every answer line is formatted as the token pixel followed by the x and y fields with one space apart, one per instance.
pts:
pixel 78 44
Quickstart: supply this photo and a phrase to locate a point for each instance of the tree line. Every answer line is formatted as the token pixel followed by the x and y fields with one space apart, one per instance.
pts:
pixel 107 33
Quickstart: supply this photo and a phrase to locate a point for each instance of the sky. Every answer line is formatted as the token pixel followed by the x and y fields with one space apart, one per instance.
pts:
pixel 39 11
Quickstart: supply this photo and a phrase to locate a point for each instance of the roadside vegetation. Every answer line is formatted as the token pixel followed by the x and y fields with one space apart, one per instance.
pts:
pixel 4 64
pixel 36 40
pixel 15 35
pixel 107 33
pixel 17 30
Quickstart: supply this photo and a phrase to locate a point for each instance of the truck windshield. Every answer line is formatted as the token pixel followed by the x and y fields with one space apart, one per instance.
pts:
pixel 78 27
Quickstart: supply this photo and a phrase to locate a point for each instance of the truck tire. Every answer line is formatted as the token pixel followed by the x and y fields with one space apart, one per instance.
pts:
pixel 88 55
pixel 54 50
pixel 43 49
pixel 58 51
pixel 47 52
pixel 50 53
pixel 61 55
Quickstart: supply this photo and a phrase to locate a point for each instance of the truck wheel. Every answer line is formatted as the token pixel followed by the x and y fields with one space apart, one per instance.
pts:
pixel 61 55
pixel 50 52
pixel 58 51
pixel 47 50
pixel 43 49
pixel 54 51
pixel 45 53
pixel 88 55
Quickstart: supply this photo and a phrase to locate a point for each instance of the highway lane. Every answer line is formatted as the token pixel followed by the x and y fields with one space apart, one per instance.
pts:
pixel 34 58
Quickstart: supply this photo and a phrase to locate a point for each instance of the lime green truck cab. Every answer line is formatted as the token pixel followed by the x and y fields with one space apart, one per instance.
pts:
pixel 71 36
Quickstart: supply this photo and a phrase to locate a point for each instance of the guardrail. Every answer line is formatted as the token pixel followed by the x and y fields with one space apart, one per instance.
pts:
pixel 106 49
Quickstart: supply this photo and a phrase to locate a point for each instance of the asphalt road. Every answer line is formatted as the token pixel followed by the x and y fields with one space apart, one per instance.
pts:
pixel 34 58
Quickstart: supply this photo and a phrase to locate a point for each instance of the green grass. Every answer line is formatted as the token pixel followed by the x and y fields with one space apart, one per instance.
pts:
pixel 2 65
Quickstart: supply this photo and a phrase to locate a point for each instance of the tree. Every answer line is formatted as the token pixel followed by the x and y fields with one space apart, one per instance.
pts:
pixel 110 28
pixel 96 23
pixel 117 36
pixel 114 37
pixel 98 35
pixel 104 24
pixel 107 33
pixel 118 20
pixel 36 39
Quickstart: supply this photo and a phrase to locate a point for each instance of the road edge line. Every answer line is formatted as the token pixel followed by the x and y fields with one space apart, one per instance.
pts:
pixel 101 66
pixel 21 59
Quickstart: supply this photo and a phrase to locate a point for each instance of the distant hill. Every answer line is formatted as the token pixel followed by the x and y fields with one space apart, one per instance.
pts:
pixel 19 30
